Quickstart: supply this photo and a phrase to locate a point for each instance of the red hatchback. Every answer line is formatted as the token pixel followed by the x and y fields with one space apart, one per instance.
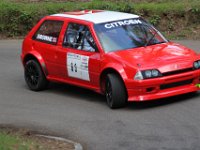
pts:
pixel 113 53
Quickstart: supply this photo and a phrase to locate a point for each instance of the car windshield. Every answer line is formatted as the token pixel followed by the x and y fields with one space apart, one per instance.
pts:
pixel 127 34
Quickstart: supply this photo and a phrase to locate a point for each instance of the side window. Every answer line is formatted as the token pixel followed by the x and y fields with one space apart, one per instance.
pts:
pixel 48 32
pixel 79 37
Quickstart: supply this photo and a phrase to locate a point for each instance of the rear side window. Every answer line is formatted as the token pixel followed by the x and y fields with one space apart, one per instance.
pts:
pixel 48 32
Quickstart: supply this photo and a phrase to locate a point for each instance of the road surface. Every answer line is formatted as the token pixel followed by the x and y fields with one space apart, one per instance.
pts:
pixel 82 115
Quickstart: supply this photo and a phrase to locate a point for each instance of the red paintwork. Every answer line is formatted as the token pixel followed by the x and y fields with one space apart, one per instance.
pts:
pixel 82 12
pixel 163 57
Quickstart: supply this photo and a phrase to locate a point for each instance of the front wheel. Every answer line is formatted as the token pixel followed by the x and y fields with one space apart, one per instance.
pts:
pixel 34 76
pixel 115 91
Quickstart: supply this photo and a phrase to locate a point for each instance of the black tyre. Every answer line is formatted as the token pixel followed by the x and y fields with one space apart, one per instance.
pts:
pixel 34 76
pixel 115 91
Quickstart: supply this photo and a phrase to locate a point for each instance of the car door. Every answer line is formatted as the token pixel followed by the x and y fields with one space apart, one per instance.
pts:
pixel 79 57
pixel 45 42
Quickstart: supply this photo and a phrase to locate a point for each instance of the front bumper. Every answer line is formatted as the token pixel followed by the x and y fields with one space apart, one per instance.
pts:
pixel 162 87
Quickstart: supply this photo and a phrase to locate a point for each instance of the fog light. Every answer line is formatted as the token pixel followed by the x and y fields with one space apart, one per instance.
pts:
pixel 150 89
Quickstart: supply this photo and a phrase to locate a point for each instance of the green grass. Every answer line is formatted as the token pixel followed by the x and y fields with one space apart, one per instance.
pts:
pixel 15 142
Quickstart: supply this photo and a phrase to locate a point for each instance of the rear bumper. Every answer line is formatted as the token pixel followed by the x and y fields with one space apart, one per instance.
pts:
pixel 167 86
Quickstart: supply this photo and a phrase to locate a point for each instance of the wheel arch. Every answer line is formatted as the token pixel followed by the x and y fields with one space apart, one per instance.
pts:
pixel 36 56
pixel 103 75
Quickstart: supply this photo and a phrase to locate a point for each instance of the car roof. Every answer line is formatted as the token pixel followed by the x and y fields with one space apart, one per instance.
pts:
pixel 97 16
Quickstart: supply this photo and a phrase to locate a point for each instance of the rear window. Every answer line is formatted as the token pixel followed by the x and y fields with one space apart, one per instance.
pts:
pixel 48 32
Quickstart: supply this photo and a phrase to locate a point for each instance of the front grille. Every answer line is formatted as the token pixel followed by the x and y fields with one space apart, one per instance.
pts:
pixel 175 84
pixel 177 72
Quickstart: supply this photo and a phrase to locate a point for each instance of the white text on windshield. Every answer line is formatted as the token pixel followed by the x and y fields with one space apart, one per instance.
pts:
pixel 122 23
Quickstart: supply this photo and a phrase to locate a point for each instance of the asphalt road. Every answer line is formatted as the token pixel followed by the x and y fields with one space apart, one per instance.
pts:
pixel 81 115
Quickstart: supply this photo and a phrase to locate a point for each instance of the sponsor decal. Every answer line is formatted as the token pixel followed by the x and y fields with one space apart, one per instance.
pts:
pixel 122 23
pixel 77 66
pixel 46 38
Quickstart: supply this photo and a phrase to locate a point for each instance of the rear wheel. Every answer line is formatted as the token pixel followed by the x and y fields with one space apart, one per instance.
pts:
pixel 34 76
pixel 115 91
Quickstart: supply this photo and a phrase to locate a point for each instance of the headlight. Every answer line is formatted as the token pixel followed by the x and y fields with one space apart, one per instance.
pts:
pixel 151 73
pixel 146 74
pixel 155 73
pixel 196 64
pixel 138 76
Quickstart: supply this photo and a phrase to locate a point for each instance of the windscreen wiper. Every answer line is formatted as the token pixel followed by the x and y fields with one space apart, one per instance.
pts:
pixel 149 41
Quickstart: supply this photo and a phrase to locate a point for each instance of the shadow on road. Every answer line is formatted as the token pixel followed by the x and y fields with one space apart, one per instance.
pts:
pixel 75 92
pixel 88 95
pixel 162 102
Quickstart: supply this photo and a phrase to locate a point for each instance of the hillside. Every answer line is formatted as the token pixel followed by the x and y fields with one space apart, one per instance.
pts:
pixel 177 19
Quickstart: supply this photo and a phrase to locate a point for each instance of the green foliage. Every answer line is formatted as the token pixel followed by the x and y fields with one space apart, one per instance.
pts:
pixel 195 15
pixel 155 20
pixel 196 10
pixel 171 25
pixel 16 19
pixel 118 6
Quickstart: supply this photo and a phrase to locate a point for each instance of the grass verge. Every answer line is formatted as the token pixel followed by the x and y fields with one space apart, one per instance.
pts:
pixel 16 142
pixel 21 139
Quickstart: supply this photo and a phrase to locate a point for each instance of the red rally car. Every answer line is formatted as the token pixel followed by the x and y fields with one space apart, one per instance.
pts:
pixel 117 54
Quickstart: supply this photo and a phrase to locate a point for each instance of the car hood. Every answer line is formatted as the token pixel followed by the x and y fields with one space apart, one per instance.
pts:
pixel 164 57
